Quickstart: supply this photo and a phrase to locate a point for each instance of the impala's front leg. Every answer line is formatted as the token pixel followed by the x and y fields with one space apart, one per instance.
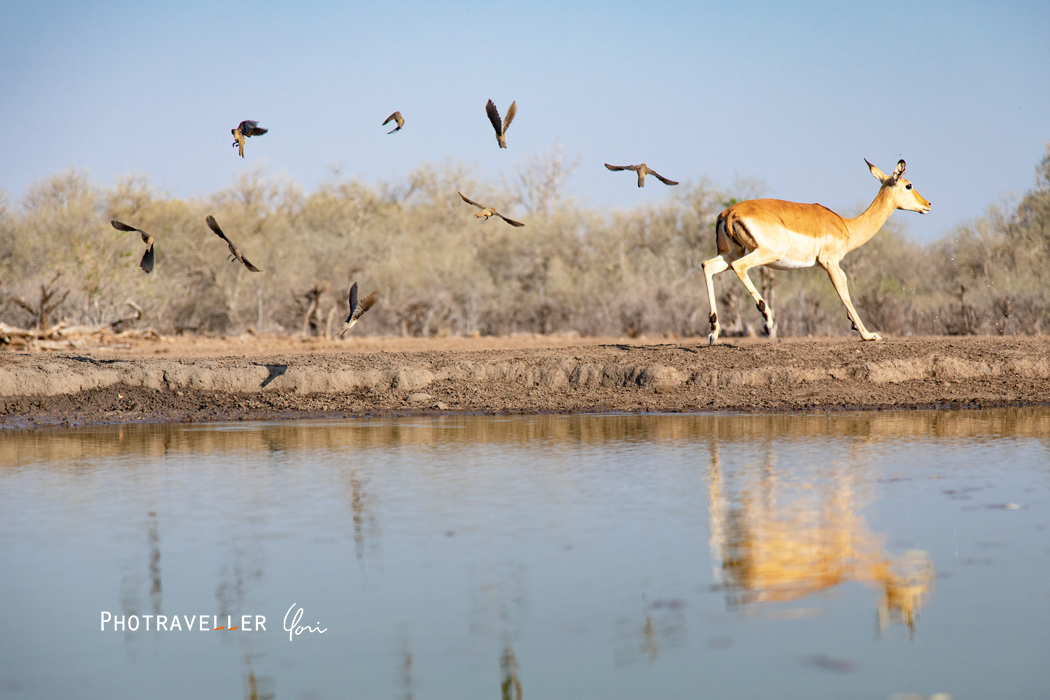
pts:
pixel 711 268
pixel 838 280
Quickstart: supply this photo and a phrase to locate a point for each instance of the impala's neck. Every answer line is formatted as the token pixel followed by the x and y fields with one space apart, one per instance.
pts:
pixel 862 228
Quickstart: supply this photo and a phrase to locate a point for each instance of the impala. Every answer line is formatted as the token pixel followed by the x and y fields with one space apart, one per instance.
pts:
pixel 787 235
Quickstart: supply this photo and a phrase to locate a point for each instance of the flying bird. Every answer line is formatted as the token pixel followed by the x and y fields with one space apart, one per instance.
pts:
pixel 397 118
pixel 358 308
pixel 486 212
pixel 501 128
pixel 234 253
pixel 147 258
pixel 642 171
pixel 244 130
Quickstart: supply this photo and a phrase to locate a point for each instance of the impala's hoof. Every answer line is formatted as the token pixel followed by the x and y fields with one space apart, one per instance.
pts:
pixel 770 330
pixel 711 339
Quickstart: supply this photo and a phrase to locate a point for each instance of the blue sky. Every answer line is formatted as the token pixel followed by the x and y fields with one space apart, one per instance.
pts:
pixel 795 96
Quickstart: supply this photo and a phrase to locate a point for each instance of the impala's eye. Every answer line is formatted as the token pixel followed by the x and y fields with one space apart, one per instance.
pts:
pixel 907 187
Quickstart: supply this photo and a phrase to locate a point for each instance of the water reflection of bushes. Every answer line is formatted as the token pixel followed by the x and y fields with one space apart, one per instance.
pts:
pixel 67 448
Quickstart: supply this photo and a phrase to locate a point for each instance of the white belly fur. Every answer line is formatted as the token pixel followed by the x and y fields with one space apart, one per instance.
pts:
pixel 787 263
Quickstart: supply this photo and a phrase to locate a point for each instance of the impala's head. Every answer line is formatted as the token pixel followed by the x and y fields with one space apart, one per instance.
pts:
pixel 904 195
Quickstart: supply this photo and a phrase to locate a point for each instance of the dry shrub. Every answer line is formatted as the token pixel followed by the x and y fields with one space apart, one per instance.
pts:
pixel 440 271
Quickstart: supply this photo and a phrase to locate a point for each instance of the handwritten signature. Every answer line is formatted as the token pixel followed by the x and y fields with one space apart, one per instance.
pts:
pixel 295 628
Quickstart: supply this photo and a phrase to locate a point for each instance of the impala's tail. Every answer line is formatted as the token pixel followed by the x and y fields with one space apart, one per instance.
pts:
pixel 720 233
pixel 730 232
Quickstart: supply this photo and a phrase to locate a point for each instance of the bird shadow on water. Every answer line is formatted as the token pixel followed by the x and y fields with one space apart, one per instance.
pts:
pixel 274 372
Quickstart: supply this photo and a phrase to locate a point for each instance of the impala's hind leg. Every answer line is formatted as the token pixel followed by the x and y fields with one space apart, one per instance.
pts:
pixel 741 266
pixel 711 268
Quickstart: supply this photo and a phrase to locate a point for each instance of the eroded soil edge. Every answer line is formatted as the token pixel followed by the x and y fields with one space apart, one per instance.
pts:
pixel 747 375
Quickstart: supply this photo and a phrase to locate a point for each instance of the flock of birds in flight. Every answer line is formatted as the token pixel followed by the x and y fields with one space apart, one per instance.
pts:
pixel 248 128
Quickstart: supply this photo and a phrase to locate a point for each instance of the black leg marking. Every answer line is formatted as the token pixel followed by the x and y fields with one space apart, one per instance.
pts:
pixel 762 306
pixel 714 319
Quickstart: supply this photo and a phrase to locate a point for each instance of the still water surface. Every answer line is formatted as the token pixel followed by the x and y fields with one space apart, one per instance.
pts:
pixel 865 555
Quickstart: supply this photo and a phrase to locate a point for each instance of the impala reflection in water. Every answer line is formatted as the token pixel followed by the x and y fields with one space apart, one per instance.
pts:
pixel 577 557
pixel 778 538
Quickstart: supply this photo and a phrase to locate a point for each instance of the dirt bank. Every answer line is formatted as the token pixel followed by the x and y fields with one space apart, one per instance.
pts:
pixel 254 379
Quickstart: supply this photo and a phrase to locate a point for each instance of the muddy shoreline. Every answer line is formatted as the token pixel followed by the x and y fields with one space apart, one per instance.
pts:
pixel 385 378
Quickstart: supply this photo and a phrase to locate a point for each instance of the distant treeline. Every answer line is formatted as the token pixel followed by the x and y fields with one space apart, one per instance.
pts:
pixel 440 271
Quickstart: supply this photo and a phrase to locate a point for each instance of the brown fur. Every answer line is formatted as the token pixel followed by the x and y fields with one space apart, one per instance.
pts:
pixel 814 220
pixel 789 235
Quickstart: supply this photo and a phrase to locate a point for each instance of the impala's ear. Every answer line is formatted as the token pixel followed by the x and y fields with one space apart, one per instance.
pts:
pixel 876 172
pixel 899 170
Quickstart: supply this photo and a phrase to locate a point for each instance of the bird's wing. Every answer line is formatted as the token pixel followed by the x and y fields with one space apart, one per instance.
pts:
pixel 512 222
pixel 124 227
pixel 367 303
pixel 614 168
pixel 353 301
pixel 147 260
pixel 256 131
pixel 468 201
pixel 389 119
pixel 493 113
pixel 510 116
pixel 660 177
pixel 251 268
pixel 246 126
pixel 214 226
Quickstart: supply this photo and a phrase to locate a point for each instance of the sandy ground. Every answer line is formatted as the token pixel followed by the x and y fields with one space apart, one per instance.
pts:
pixel 259 378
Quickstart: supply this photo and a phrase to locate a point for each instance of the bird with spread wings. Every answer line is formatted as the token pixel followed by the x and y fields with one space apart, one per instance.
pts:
pixel 486 212
pixel 397 119
pixel 358 308
pixel 234 253
pixel 642 171
pixel 147 258
pixel 244 130
pixel 501 127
